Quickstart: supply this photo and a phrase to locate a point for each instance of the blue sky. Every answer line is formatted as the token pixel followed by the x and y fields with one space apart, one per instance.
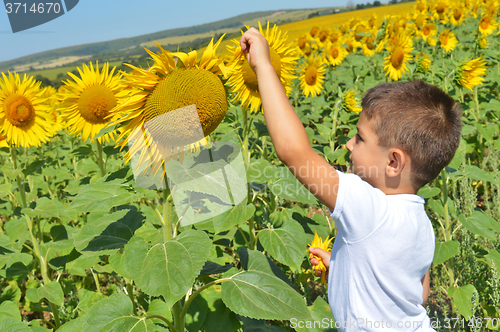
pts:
pixel 101 20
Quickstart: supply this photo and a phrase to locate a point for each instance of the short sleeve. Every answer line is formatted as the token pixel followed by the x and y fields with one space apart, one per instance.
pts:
pixel 359 208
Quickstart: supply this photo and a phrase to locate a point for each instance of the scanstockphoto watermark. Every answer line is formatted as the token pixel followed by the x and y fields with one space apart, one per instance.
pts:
pixel 359 323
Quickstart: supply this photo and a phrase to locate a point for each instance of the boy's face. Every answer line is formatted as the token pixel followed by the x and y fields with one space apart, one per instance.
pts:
pixel 368 159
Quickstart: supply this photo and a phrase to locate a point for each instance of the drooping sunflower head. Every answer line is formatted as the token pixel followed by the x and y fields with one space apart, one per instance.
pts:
pixel 423 62
pixel 325 245
pixel 25 118
pixel 350 103
pixel 458 14
pixel 173 104
pixel 312 74
pixel 487 25
pixel 471 73
pixel 243 79
pixel 87 102
pixel 448 40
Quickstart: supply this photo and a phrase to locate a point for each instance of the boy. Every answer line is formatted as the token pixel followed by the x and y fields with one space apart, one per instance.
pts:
pixel 378 275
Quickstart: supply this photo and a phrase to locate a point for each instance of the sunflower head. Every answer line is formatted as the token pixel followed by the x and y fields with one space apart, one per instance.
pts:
pixel 25 118
pixel 350 103
pixel 173 104
pixel 448 40
pixel 325 245
pixel 243 79
pixel 482 41
pixel 312 74
pixel 336 54
pixel 471 73
pixel 423 62
pixel 487 25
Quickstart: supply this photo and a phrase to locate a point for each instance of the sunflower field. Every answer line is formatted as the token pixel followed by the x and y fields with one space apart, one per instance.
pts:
pixel 153 199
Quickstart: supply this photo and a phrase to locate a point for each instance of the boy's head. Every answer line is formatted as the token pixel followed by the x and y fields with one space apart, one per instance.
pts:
pixel 418 118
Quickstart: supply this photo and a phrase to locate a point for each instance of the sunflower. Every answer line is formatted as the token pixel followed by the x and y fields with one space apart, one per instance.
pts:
pixel 470 73
pixel 448 40
pixel 173 104
pixel 312 74
pixel 441 7
pixel 314 31
pixel 423 62
pixel 395 62
pixel 487 25
pixel 458 14
pixel 87 101
pixel 336 54
pixel 350 103
pixel 50 93
pixel 25 118
pixel 243 79
pixel 428 30
pixel 303 44
pixel 482 41
pixel 335 35
pixel 319 243
pixel 369 45
pixel 322 37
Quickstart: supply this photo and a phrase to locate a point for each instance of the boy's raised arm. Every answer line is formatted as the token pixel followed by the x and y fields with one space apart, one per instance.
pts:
pixel 287 132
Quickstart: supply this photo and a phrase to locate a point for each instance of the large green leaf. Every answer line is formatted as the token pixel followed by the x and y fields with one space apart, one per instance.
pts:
pixel 115 314
pixel 259 295
pixel 259 325
pixel 9 309
pixel 288 187
pixel 445 251
pixel 286 244
pixel 102 195
pixel 475 173
pixel 428 192
pixel 462 298
pixel 228 219
pixel 13 325
pixel 494 256
pixel 111 231
pixel 51 291
pixel 481 224
pixel 260 171
pixel 168 269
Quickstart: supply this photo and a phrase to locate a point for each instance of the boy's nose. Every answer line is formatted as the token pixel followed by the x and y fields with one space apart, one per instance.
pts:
pixel 350 144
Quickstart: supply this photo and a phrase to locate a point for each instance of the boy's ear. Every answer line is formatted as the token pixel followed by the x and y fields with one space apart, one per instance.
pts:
pixel 396 162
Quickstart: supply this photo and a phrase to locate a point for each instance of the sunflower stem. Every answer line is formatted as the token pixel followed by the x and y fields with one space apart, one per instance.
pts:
pixel 130 293
pixel 100 161
pixel 179 319
pixel 167 211
pixel 246 157
pixel 20 185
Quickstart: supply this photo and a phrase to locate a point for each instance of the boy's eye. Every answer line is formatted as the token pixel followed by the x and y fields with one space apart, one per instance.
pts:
pixel 358 138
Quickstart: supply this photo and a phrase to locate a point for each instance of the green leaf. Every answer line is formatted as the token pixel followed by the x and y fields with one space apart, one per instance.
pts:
pixel 260 171
pixel 445 251
pixel 286 244
pixel 111 231
pixel 168 269
pixel 288 187
pixel 196 315
pixel 33 167
pixel 256 325
pixel 49 208
pixel 475 173
pixel 51 291
pixel 481 224
pixel 321 312
pixel 115 314
pixel 428 192
pixel 9 309
pixel 462 298
pixel 158 307
pixel 87 299
pixel 13 325
pixel 101 196
pixel 221 319
pixel 494 256
pixel 260 295
pixel 5 189
pixel 74 325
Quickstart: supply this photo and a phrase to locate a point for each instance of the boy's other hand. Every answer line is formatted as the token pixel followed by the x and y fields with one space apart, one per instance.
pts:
pixel 323 255
pixel 256 47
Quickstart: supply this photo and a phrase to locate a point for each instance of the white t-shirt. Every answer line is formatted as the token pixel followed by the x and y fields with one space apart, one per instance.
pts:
pixel 384 246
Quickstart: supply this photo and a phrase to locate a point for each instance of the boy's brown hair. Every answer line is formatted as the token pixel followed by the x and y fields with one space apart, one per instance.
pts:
pixel 419 118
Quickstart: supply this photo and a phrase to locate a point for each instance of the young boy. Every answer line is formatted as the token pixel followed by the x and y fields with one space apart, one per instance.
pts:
pixel 378 277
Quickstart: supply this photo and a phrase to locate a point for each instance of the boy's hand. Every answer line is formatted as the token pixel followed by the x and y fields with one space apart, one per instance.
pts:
pixel 256 47
pixel 324 259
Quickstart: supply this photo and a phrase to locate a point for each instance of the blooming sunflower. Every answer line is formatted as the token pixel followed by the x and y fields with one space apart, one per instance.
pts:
pixel 314 31
pixel 350 103
pixel 421 6
pixel 487 25
pixel 395 62
pixel 458 14
pixel 470 73
pixel 303 44
pixel 336 54
pixel 25 118
pixel 319 243
pixel 312 74
pixel 428 30
pixel 322 36
pixel 174 104
pixel 243 79
pixel 335 35
pixel 88 101
pixel 448 40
